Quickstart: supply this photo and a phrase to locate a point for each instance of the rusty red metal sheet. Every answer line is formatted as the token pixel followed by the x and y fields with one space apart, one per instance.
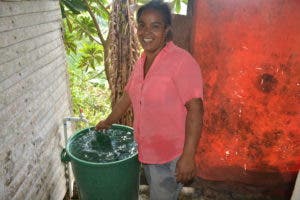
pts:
pixel 249 53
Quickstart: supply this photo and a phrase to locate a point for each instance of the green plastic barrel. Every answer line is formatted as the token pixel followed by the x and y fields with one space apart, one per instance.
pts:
pixel 118 180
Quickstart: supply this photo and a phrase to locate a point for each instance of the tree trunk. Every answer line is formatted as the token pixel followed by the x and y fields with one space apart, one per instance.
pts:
pixel 122 51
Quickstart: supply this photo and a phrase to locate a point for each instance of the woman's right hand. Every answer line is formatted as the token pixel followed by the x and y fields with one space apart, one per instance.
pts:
pixel 102 125
pixel 118 110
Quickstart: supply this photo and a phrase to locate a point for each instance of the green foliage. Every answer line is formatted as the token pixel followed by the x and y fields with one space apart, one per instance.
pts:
pixel 177 6
pixel 89 86
pixel 76 6
pixel 84 27
pixel 69 42
pixel 88 83
pixel 91 55
pixel 100 9
pixel 89 91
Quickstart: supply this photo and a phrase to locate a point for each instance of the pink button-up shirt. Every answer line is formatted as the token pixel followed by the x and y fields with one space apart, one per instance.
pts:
pixel 159 100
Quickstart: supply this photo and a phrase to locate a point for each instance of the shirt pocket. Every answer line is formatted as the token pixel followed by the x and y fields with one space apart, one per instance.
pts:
pixel 158 90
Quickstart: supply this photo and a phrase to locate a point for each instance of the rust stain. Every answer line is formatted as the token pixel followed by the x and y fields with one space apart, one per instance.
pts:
pixel 247 51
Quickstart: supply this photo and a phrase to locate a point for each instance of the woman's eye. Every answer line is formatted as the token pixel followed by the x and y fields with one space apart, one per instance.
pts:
pixel 151 27
pixel 140 26
pixel 155 26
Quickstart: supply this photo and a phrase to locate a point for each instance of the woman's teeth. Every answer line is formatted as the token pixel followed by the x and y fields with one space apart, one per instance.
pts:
pixel 147 40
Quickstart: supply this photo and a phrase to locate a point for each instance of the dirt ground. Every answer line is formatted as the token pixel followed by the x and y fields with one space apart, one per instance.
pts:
pixel 190 193
pixel 187 193
pixel 204 190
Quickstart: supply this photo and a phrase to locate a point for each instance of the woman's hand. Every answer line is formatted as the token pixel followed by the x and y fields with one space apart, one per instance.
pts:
pixel 186 166
pixel 118 110
pixel 185 169
pixel 102 125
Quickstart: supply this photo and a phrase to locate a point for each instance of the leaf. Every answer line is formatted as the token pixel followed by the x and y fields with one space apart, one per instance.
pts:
pixel 101 10
pixel 69 42
pixel 76 6
pixel 185 1
pixel 177 6
pixel 70 7
pixel 85 27
pixel 92 55
pixel 62 8
pixel 69 24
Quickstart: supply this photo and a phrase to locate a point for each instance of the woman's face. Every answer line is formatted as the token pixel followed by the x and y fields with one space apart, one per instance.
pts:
pixel 152 31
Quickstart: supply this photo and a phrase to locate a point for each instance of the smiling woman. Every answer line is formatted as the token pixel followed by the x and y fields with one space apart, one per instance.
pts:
pixel 153 28
pixel 166 96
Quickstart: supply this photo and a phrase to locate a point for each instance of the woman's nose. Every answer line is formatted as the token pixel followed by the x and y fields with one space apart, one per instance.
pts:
pixel 146 29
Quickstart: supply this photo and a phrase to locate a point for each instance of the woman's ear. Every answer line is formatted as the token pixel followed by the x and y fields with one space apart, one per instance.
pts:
pixel 168 33
pixel 168 29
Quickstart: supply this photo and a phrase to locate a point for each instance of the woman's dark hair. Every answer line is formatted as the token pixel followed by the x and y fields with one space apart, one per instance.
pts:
pixel 163 9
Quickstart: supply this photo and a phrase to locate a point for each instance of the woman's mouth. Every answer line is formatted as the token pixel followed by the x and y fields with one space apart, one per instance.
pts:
pixel 147 40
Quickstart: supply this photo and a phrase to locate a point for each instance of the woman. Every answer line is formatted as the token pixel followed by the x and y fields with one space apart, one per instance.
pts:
pixel 165 91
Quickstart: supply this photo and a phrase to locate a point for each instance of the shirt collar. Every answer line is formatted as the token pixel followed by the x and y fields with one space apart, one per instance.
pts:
pixel 167 48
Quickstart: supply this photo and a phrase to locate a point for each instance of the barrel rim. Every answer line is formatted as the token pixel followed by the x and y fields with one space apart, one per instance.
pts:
pixel 96 163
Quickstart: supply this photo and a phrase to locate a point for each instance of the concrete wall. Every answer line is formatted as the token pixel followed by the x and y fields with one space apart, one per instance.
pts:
pixel 34 98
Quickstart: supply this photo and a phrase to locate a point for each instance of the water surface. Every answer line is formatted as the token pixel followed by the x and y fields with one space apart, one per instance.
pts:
pixel 104 146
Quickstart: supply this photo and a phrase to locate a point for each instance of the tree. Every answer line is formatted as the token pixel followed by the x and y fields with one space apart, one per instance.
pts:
pixel 123 46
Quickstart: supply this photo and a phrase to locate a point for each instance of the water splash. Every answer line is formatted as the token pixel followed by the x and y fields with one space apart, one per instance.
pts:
pixel 104 146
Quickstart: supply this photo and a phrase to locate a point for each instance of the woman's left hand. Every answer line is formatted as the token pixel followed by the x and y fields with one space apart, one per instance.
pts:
pixel 185 169
pixel 186 166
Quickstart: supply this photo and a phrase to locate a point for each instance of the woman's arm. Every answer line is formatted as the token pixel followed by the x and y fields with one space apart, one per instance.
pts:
pixel 118 110
pixel 186 166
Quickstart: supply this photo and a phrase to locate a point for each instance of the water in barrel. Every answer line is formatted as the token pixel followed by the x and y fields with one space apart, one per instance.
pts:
pixel 104 146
